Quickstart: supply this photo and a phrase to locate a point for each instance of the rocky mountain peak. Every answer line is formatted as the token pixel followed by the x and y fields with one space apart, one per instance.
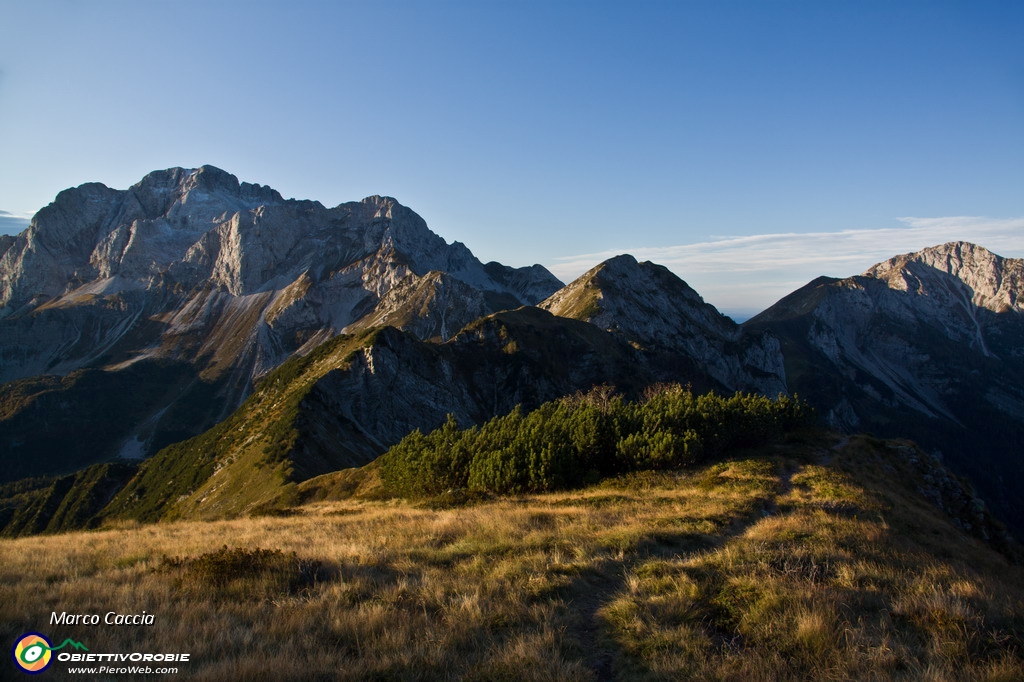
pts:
pixel 391 222
pixel 624 264
pixel 381 205
pixel 201 226
pixel 180 182
pixel 621 291
pixel 656 310
pixel 925 345
pixel 989 281
pixel 228 280
pixel 210 178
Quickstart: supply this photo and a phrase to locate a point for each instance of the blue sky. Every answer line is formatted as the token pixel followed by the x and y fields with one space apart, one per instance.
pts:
pixel 749 146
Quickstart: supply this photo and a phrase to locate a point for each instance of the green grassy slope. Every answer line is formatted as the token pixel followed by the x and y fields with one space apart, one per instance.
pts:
pixel 239 463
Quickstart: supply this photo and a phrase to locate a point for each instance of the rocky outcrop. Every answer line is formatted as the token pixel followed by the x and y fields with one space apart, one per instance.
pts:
pixel 987 281
pixel 659 313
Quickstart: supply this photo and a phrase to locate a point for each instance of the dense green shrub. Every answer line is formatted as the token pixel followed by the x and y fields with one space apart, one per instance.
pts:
pixel 577 440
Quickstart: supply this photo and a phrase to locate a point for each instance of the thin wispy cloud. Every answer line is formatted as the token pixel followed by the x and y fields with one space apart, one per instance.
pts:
pixel 13 223
pixel 749 273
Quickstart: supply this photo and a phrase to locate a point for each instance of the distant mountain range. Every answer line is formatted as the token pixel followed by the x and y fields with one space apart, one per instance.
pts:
pixel 242 343
pixel 10 224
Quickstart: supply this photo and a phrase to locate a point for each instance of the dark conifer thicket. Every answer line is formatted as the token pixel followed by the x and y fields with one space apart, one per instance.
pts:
pixel 580 439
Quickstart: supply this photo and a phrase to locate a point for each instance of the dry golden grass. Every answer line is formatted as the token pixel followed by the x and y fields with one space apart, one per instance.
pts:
pixel 772 566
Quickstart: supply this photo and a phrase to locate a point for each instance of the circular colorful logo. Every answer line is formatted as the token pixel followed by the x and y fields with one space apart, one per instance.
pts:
pixel 32 653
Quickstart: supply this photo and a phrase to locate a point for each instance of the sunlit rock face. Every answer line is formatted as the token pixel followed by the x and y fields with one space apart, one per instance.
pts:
pixel 228 279
pixel 194 255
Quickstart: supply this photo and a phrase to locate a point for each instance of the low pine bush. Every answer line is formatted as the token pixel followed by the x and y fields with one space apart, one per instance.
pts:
pixel 577 440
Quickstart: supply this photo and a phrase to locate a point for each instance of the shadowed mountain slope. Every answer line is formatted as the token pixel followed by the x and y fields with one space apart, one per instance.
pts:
pixel 354 396
pixel 928 346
